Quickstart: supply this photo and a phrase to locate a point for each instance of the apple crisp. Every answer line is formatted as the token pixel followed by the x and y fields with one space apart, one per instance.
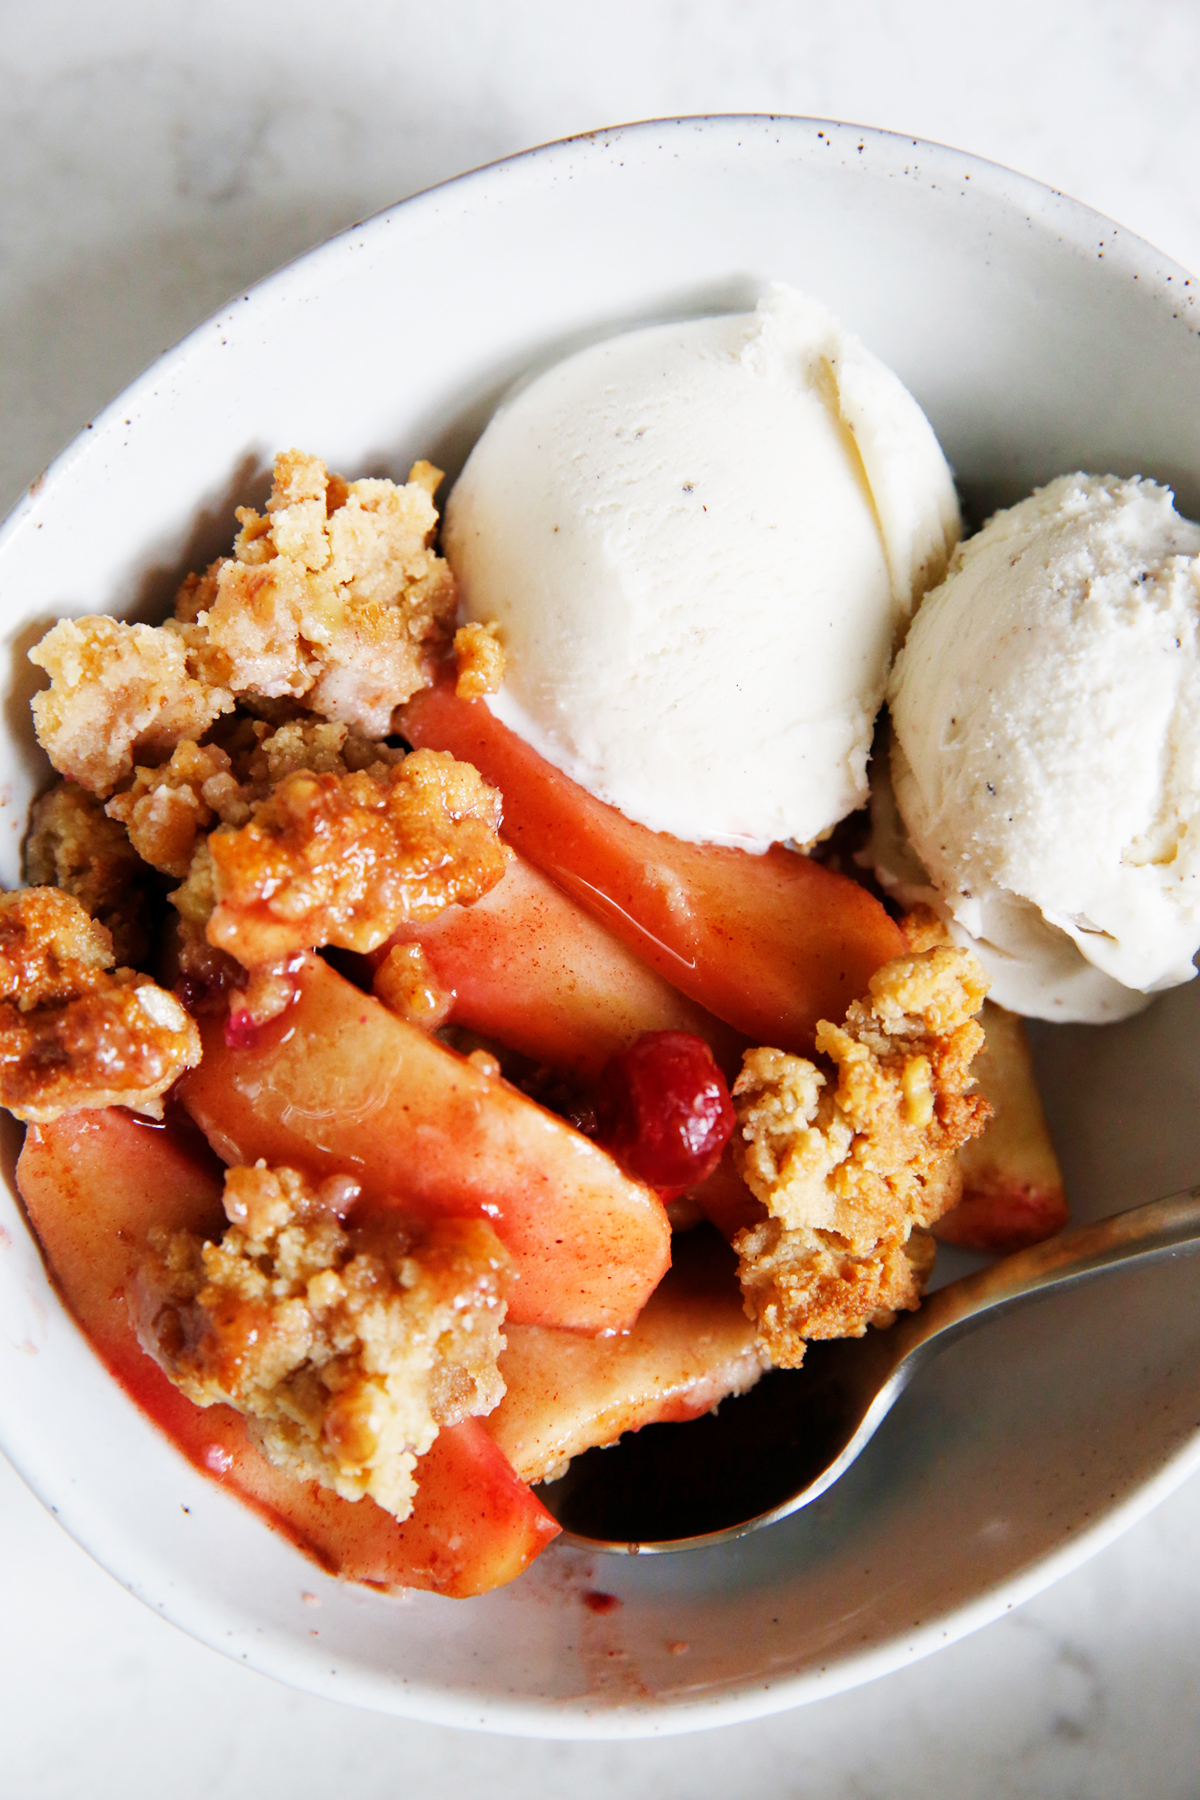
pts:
pixel 480 661
pixel 1012 1185
pixel 72 845
pixel 347 1344
pixel 166 809
pixel 334 597
pixel 289 831
pixel 333 601
pixel 853 1174
pixel 74 1033
pixel 343 859
pixel 118 691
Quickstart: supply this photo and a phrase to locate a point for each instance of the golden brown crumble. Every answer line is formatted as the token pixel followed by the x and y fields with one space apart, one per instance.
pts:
pixel 118 692
pixel 50 950
pixel 334 600
pixel 406 983
pixel 348 1344
pixel 329 859
pixel 165 809
pixel 73 1034
pixel 480 661
pixel 848 1173
pixel 289 823
pixel 923 928
pixel 208 972
pixel 797 1286
pixel 210 980
pixel 323 747
pixel 73 846
pixel 334 597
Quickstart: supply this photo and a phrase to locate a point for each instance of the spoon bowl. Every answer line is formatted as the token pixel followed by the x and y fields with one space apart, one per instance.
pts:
pixel 778 1448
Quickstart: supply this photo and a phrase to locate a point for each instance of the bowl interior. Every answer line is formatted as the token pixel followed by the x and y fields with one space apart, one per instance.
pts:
pixel 1039 339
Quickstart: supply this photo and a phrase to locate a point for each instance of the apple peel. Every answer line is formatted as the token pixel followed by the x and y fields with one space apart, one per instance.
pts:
pixel 94 1184
pixel 338 1084
pixel 771 944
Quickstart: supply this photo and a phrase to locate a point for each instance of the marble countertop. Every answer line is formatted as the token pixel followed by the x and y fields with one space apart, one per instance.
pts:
pixel 159 154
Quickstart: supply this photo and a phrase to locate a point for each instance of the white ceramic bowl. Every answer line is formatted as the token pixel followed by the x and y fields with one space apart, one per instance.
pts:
pixel 1039 338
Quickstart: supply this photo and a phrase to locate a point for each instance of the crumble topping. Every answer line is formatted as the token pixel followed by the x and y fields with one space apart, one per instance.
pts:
pixel 50 950
pixel 798 1286
pixel 117 691
pixel 407 984
pixel 333 600
pixel 849 1173
pixel 343 859
pixel 73 1033
pixel 323 747
pixel 165 809
pixel 923 928
pixel 347 1344
pixel 204 975
pixel 480 661
pixel 1012 1185
pixel 168 809
pixel 298 827
pixel 72 845
pixel 334 597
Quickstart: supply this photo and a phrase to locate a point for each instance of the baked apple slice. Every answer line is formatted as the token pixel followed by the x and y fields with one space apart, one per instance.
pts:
pixel 531 969
pixel 94 1185
pixel 339 1084
pixel 691 1347
pixel 1013 1192
pixel 771 944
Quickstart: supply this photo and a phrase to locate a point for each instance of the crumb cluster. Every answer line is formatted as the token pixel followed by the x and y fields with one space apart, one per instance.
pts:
pixel 480 659
pixel 240 749
pixel 407 984
pixel 73 845
pixel 333 601
pixel 118 691
pixel 347 1344
pixel 852 1174
pixel 74 1032
pixel 343 859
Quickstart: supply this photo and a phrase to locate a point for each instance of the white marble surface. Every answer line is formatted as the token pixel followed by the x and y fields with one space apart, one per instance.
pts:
pixel 157 154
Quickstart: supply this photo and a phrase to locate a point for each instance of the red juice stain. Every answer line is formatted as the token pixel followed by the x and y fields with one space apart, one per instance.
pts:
pixel 241 1031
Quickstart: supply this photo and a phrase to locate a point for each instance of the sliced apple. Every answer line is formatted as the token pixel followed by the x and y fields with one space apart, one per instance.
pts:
pixel 692 1346
pixel 530 968
pixel 1013 1192
pixel 94 1184
pixel 339 1084
pixel 769 943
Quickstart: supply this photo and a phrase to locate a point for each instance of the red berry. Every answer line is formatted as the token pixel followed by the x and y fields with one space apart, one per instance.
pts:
pixel 663 1109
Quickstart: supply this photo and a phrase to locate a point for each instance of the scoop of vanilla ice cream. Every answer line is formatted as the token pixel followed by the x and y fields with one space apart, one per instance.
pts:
pixel 700 542
pixel 1046 762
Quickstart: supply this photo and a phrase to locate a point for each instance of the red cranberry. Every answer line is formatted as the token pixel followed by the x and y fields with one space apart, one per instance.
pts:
pixel 663 1109
pixel 208 992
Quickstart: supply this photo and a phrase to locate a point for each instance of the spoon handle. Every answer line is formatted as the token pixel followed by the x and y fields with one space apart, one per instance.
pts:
pixel 1143 1234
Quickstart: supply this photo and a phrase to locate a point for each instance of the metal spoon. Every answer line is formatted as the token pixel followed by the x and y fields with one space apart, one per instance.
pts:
pixel 761 1457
